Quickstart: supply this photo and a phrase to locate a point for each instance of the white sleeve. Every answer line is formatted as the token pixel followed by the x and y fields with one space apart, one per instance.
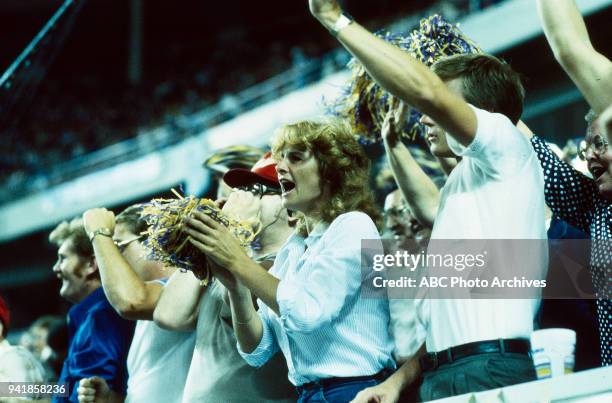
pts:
pixel 267 347
pixel 498 147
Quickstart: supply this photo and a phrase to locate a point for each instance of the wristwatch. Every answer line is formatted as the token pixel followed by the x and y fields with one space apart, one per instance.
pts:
pixel 342 22
pixel 101 231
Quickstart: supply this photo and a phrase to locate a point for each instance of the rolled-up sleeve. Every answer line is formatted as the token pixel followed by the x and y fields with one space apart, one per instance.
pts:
pixel 317 294
pixel 267 347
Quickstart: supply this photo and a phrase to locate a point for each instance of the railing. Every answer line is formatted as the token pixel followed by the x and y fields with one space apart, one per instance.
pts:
pixel 179 128
pixel 185 126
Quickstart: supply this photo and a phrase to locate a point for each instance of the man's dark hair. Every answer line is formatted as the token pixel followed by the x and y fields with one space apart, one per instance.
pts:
pixel 488 83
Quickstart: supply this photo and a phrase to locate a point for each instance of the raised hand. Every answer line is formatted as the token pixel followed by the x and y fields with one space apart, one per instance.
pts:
pixel 326 11
pixel 97 218
pixel 394 121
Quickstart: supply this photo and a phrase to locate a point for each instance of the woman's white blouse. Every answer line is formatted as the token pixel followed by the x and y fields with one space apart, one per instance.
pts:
pixel 326 328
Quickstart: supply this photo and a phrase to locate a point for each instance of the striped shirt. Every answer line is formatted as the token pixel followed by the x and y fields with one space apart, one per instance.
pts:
pixel 326 328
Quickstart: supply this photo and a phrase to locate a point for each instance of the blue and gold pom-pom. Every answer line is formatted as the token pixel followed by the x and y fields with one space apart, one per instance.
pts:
pixel 167 243
pixel 364 103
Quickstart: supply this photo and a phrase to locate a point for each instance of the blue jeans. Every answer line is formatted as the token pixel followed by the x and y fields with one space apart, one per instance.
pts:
pixel 340 393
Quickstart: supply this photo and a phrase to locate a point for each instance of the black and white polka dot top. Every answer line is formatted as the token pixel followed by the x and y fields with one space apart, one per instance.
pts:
pixel 574 197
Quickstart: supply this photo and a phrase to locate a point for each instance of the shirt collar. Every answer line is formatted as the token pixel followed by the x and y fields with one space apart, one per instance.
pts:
pixel 316 233
pixel 78 313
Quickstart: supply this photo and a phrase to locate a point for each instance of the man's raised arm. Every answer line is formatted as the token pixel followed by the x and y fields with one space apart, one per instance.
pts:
pixel 400 74
pixel 605 124
pixel 568 37
pixel 418 190
pixel 130 296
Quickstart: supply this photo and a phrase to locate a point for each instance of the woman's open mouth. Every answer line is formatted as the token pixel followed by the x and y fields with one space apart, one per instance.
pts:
pixel 286 185
pixel 597 171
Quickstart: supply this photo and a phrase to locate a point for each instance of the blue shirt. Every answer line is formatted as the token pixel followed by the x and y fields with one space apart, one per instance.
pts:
pixel 99 343
pixel 326 328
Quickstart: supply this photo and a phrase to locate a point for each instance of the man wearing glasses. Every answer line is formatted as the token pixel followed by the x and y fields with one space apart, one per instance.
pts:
pixel 400 223
pixel 218 373
pixel 158 359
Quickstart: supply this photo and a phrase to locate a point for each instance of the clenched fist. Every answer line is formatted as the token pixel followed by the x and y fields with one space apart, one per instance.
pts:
pixel 93 390
pixel 97 218
pixel 326 11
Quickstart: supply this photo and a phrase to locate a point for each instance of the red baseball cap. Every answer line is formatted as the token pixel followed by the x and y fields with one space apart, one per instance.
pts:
pixel 5 315
pixel 264 172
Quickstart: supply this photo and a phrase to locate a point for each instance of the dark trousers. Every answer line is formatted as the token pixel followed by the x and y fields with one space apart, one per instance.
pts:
pixel 476 373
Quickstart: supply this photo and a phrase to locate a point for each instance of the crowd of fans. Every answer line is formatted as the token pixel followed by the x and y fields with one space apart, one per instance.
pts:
pixel 72 116
pixel 284 316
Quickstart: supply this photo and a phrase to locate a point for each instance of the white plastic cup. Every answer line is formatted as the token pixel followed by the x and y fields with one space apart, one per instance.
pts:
pixel 552 351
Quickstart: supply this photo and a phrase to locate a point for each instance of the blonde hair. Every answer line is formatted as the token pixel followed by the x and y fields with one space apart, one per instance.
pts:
pixel 72 230
pixel 343 166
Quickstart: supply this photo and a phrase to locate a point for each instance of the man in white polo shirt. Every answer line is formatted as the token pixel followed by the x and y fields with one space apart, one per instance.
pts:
pixel 471 106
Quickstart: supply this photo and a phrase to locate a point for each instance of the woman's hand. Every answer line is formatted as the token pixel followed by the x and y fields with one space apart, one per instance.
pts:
pixel 223 275
pixel 215 241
